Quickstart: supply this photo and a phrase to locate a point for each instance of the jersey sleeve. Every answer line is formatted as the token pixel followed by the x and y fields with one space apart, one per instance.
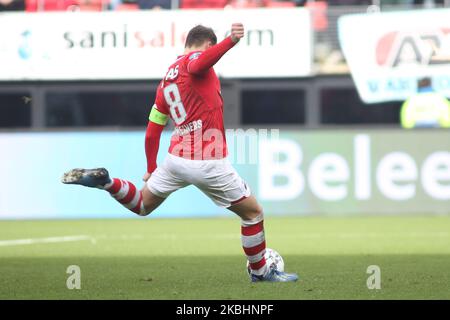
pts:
pixel 160 101
pixel 200 62
pixel 152 137
pixel 157 120
pixel 159 113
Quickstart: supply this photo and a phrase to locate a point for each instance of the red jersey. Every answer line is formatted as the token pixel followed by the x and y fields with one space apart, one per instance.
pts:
pixel 190 93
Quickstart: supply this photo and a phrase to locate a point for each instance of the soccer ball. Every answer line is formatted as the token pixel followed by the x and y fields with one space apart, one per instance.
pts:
pixel 273 258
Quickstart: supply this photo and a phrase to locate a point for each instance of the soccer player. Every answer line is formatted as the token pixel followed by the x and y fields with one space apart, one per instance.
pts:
pixel 190 95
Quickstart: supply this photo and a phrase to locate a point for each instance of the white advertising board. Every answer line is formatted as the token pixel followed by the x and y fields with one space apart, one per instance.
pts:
pixel 141 45
pixel 388 52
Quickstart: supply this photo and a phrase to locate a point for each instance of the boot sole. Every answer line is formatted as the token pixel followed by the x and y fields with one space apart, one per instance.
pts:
pixel 75 175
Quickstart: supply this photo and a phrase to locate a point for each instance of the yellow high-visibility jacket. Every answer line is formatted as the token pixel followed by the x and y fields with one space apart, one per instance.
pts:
pixel 425 109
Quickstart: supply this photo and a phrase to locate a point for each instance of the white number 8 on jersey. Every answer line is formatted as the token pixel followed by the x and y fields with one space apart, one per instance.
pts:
pixel 175 103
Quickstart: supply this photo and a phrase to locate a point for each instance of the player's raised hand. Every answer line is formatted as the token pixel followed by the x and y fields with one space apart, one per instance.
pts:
pixel 237 32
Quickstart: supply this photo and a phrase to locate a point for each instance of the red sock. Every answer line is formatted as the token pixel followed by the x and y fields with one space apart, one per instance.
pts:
pixel 254 244
pixel 127 194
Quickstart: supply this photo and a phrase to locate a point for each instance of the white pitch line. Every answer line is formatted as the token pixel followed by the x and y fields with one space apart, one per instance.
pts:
pixel 226 236
pixel 19 242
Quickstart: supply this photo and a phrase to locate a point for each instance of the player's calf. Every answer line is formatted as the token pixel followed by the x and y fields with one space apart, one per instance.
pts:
pixel 254 244
pixel 125 192
pixel 252 233
pixel 142 202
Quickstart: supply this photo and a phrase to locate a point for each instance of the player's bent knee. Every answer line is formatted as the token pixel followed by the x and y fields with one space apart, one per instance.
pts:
pixel 253 216
pixel 255 213
pixel 144 212
pixel 150 201
pixel 258 211
pixel 248 210
pixel 147 210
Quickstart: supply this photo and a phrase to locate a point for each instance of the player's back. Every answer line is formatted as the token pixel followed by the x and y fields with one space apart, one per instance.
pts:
pixel 195 105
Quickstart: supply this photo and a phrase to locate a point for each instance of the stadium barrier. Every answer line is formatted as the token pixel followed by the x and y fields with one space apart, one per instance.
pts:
pixel 333 172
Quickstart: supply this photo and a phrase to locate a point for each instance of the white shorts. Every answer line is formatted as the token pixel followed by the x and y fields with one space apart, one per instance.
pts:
pixel 216 178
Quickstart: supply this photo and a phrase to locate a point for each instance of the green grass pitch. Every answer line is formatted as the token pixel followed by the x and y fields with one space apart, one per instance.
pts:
pixel 203 258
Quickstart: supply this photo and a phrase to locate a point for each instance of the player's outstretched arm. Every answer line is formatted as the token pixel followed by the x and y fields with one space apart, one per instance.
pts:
pixel 213 54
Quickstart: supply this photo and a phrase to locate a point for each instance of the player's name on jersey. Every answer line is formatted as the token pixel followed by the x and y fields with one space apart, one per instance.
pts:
pixel 188 127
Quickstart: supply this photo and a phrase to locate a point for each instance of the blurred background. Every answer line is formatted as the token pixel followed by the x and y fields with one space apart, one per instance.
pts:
pixel 357 88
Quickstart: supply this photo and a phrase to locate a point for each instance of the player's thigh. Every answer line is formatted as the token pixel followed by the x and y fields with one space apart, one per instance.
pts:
pixel 163 181
pixel 247 209
pixel 160 185
pixel 222 184
pixel 151 201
